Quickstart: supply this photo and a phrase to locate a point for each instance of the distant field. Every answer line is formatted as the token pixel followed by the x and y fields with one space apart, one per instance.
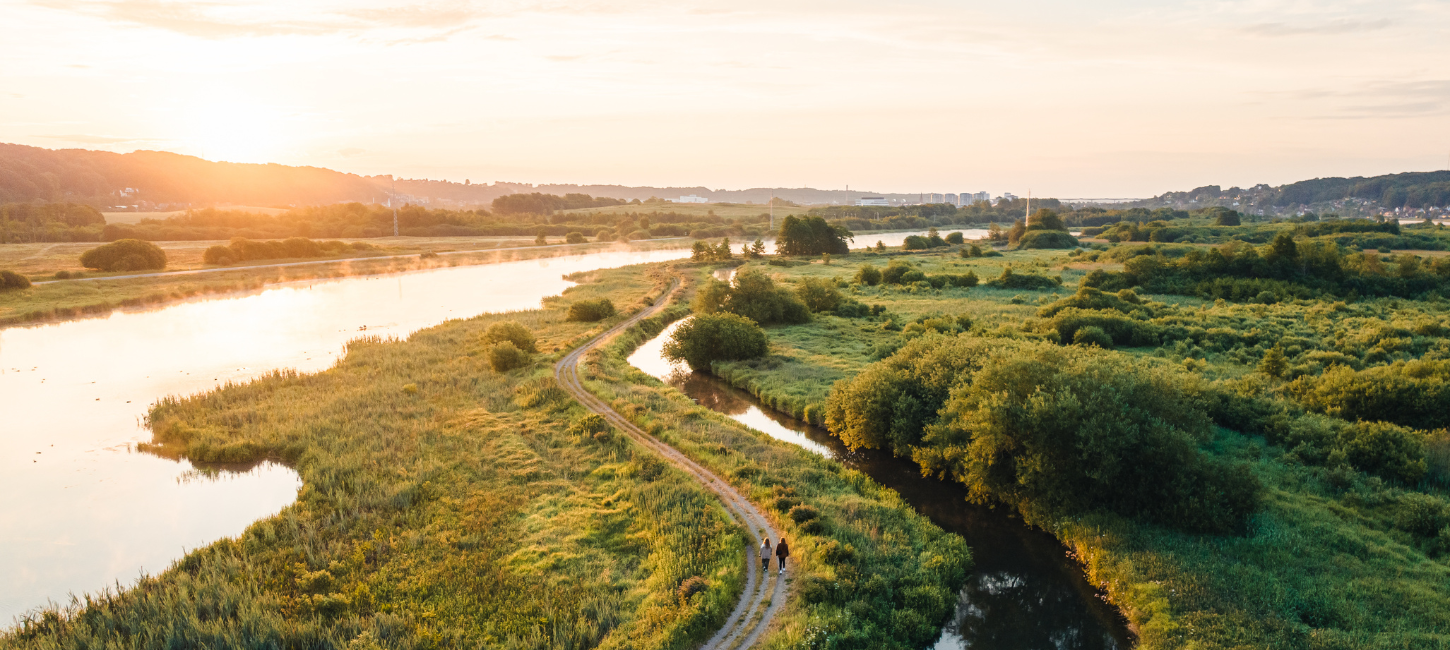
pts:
pixel 726 210
pixel 136 217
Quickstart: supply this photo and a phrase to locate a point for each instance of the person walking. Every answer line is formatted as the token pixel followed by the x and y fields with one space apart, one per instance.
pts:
pixel 782 551
pixel 765 554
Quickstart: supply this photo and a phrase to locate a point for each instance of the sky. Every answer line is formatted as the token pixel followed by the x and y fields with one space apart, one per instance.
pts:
pixel 1109 99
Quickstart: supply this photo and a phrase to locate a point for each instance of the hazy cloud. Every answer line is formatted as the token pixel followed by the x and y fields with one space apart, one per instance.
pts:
pixel 216 20
pixel 1331 28
pixel 351 152
pixel 90 139
pixel 1378 100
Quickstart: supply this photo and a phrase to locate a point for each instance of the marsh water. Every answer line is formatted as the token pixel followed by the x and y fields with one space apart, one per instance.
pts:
pixel 84 511
pixel 1024 592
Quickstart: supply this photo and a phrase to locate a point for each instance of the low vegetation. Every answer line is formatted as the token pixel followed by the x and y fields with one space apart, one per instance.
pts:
pixel 125 255
pixel 12 280
pixel 1232 472
pixel 245 250
pixel 589 311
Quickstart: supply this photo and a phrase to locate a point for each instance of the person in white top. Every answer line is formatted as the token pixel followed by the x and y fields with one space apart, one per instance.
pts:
pixel 765 554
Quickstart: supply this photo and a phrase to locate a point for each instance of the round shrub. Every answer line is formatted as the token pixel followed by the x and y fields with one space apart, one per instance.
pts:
pixel 914 243
pixel 1092 335
pixel 574 238
pixel 708 338
pixel 868 275
pixel 218 255
pixel 955 238
pixel 125 255
pixel 803 513
pixel 1046 239
pixel 589 311
pixel 512 332
pixel 818 294
pixel 693 585
pixel 62 275
pixel 12 280
pixel 504 357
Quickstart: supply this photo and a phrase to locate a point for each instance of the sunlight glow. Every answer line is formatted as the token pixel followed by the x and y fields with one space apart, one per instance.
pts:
pixel 234 129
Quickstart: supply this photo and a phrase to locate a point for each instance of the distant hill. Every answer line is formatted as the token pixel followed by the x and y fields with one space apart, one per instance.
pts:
pixel 1357 195
pixel 162 180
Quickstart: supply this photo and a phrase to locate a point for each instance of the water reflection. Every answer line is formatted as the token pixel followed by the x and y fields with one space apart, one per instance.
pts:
pixel 1024 593
pixel 83 512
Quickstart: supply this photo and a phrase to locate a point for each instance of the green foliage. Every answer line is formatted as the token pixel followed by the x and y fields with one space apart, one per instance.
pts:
pixel 505 356
pixel 125 255
pixel 754 296
pixel 1046 429
pixel 1087 297
pixel 1414 393
pixel 513 332
pixel 1046 239
pixel 711 337
pixel 972 251
pixel 818 294
pixel 1274 363
pixel 1045 219
pixel 575 237
pixel 1092 335
pixel 589 311
pixel 955 238
pixel 811 235
pixel 914 243
pixel 12 280
pixel 868 275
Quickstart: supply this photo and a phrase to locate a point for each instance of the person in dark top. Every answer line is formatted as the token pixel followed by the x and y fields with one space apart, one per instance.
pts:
pixel 781 553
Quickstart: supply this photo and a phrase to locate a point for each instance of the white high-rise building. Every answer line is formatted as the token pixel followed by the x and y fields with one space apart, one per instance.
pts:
pixel 952 199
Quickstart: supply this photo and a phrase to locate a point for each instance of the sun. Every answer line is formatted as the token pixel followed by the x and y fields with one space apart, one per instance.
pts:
pixel 235 130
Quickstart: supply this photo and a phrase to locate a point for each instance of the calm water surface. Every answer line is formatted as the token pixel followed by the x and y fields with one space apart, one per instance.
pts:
pixel 1024 592
pixel 83 511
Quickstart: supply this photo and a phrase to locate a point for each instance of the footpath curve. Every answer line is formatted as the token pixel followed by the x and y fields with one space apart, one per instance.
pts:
pixel 763 594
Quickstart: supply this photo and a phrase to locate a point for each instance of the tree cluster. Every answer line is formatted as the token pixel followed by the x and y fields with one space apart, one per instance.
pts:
pixel 710 337
pixel 754 296
pixel 812 236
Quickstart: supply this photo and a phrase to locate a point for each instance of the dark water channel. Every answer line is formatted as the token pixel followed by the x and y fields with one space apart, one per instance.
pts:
pixel 1024 591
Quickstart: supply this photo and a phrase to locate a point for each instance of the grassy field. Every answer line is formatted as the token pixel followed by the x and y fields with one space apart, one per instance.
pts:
pixel 448 505
pixel 136 217
pixel 72 298
pixel 1334 557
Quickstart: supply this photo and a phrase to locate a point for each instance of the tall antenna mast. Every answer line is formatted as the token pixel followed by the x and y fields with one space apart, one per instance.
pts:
pixel 394 204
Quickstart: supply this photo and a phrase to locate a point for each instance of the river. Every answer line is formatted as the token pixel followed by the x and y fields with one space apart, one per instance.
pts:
pixel 1024 591
pixel 84 511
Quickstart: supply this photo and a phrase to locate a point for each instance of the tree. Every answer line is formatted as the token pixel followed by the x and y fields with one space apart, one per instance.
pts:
pixel 707 338
pixel 819 294
pixel 1274 362
pixel 539 237
pixel 757 250
pixel 125 255
pixel 914 243
pixel 955 238
pixel 880 247
pixel 868 275
pixel 1018 229
pixel 722 250
pixel 1045 219
pixel 811 236
pixel 512 332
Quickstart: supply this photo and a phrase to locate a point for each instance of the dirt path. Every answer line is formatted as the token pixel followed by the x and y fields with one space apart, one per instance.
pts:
pixel 764 594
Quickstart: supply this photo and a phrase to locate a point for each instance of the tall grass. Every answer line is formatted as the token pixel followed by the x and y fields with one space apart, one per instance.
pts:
pixel 459 512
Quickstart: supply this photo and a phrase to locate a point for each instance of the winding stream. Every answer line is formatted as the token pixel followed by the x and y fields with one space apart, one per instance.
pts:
pixel 1024 592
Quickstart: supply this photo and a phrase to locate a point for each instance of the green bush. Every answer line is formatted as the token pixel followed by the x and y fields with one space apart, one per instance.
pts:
pixel 1092 335
pixel 1046 239
pixel 753 296
pixel 575 237
pixel 707 338
pixel 1414 394
pixel 125 255
pixel 1087 297
pixel 914 243
pixel 955 238
pixel 513 332
pixel 894 272
pixel 818 294
pixel 12 280
pixel 504 356
pixel 868 275
pixel 62 275
pixel 1123 330
pixel 589 311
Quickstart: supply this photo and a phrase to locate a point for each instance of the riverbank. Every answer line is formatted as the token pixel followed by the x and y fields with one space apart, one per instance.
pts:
pixel 444 503
pixel 1332 557
pixel 872 572
pixel 97 295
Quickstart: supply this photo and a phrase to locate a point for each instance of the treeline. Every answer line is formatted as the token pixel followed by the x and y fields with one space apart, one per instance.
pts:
pixel 67 222
pixel 546 204
pixel 1283 269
